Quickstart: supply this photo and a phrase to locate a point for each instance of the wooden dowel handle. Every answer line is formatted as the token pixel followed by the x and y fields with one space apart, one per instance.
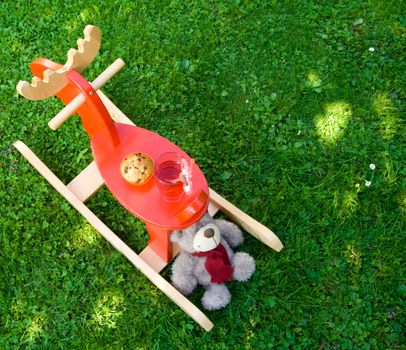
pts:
pixel 67 111
pixel 108 73
pixel 80 99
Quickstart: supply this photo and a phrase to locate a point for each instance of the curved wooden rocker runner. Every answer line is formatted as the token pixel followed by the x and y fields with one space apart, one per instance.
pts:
pixel 112 135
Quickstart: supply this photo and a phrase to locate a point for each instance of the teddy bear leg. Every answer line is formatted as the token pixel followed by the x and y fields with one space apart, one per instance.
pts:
pixel 182 273
pixel 243 266
pixel 216 297
pixel 185 284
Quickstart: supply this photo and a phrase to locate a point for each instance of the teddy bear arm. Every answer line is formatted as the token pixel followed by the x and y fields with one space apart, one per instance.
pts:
pixel 183 273
pixel 243 266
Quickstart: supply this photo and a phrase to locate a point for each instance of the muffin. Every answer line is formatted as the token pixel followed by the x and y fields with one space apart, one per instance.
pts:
pixel 137 168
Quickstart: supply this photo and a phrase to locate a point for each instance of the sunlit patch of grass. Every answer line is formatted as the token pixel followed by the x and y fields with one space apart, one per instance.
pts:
pixel 250 329
pixel 390 172
pixel 332 123
pixel 313 80
pixel 34 330
pixel 85 237
pixel 72 26
pixel 88 15
pixel 346 204
pixel 388 115
pixel 108 309
pixel 353 256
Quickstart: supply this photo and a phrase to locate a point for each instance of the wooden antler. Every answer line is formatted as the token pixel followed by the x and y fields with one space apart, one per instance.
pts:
pixel 88 49
pixel 78 60
pixel 40 89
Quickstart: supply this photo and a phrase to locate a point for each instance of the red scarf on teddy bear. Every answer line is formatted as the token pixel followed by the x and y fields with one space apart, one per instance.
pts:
pixel 217 264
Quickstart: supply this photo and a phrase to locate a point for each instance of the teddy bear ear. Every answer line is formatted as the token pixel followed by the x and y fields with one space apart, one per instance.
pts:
pixel 207 216
pixel 176 236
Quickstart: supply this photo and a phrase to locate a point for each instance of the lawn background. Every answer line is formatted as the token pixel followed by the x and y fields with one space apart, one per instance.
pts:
pixel 284 105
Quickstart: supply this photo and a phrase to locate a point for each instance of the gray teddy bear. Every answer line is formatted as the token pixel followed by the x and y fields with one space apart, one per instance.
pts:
pixel 207 258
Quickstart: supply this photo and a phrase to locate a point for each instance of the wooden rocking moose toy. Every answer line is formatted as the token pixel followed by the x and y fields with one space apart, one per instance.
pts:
pixel 141 169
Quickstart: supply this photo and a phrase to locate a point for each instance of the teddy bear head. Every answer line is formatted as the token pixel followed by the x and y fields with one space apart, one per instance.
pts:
pixel 201 237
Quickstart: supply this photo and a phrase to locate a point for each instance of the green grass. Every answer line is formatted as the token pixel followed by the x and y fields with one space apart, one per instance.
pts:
pixel 284 106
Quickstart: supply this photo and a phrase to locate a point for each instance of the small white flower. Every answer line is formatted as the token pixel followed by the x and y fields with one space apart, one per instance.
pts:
pixel 372 166
pixel 371 49
pixel 357 185
pixel 367 183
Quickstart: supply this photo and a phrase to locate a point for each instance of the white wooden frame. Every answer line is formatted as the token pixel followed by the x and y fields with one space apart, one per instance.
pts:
pixel 83 186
